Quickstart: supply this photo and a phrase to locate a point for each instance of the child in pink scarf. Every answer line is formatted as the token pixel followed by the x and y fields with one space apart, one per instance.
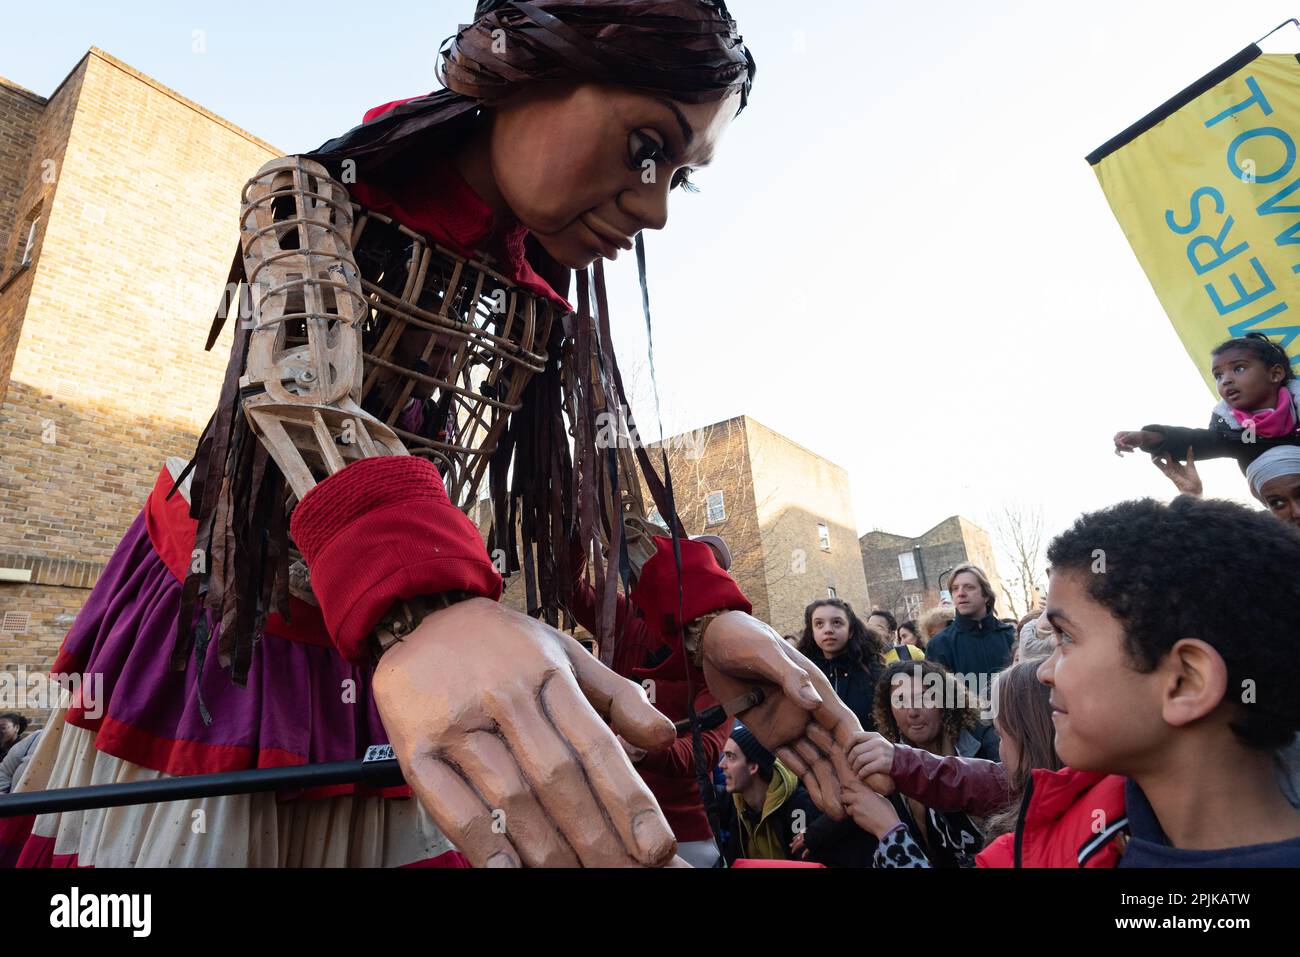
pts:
pixel 1258 409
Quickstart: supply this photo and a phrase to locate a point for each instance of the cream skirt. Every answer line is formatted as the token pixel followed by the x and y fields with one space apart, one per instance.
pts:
pixel 244 830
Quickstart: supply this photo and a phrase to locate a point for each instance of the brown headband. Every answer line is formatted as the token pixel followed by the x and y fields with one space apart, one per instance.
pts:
pixel 688 50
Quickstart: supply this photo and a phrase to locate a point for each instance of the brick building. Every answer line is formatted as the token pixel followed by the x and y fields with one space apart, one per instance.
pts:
pixel 905 575
pixel 119 205
pixel 786 514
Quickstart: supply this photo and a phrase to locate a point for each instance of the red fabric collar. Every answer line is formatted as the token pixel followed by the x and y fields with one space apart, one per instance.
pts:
pixel 436 202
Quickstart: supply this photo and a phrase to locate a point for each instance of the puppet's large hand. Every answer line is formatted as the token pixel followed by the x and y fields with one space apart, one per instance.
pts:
pixel 800 719
pixel 493 716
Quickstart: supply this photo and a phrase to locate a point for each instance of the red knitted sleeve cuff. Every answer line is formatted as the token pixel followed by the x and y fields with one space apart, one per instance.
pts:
pixel 381 530
pixel 705 586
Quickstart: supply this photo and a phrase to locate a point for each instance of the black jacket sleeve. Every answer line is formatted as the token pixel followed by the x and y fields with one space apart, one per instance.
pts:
pixel 1212 443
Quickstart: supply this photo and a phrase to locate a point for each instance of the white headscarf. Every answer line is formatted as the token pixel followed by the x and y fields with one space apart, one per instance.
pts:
pixel 1276 462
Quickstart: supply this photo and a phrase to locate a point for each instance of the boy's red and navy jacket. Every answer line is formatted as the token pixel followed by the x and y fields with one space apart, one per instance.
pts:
pixel 1068 818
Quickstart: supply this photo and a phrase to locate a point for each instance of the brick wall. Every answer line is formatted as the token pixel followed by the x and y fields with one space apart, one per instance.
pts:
pixel 20 111
pixel 31 143
pixel 715 458
pixel 109 376
pixel 796 491
pixel 953 541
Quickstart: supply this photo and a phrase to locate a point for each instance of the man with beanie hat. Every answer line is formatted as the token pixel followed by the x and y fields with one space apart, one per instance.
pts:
pixel 768 806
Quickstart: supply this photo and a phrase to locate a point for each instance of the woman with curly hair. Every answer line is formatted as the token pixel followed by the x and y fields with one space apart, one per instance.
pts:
pixel 921 704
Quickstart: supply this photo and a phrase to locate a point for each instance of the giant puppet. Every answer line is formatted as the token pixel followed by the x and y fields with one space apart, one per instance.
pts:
pixel 310 583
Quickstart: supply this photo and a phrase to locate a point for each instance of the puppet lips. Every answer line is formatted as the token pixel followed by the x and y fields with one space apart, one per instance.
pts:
pixel 605 233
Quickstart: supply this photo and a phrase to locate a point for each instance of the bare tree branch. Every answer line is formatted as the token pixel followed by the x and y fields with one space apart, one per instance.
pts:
pixel 1018 530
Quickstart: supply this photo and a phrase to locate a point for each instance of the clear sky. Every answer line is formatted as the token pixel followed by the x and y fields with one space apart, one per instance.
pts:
pixel 899 259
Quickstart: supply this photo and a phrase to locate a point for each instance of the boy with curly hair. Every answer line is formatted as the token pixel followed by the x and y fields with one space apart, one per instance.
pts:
pixel 1175 666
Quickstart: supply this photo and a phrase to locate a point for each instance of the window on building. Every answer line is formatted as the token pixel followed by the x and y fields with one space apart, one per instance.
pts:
pixel 717 512
pixel 830 591
pixel 824 536
pixel 27 235
pixel 907 566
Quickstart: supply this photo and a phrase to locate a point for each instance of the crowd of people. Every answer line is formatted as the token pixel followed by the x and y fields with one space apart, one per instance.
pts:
pixel 1143 717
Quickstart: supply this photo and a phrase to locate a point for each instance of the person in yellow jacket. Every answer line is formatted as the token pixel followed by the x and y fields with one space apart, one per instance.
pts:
pixel 768 809
pixel 885 625
pixel 899 652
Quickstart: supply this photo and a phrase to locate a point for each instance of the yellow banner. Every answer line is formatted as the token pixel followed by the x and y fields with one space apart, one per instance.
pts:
pixel 1207 190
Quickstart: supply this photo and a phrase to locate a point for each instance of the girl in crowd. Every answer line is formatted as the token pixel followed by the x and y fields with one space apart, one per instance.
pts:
pixel 909 633
pixel 849 653
pixel 1259 409
pixel 948 784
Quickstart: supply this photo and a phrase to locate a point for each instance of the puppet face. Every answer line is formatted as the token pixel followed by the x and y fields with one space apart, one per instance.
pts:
pixel 1282 496
pixel 1245 381
pixel 588 166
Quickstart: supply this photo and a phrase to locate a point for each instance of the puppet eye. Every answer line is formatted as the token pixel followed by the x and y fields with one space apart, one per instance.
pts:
pixel 642 147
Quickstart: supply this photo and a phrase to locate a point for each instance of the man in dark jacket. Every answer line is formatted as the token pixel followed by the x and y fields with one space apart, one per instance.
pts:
pixel 768 805
pixel 976 645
